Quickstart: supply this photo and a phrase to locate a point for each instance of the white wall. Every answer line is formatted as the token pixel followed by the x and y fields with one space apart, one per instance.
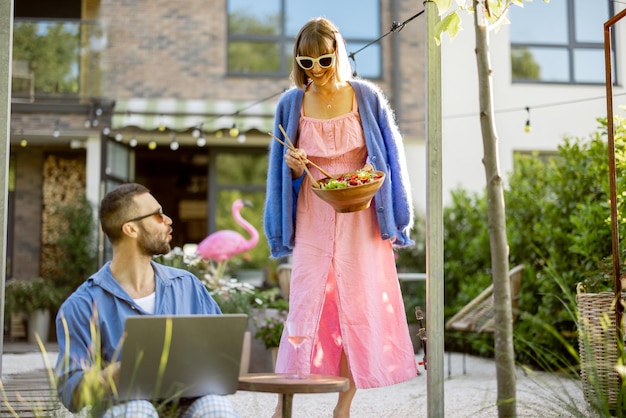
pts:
pixel 556 111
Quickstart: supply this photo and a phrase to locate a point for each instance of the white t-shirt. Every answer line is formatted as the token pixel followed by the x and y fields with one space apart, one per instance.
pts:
pixel 147 302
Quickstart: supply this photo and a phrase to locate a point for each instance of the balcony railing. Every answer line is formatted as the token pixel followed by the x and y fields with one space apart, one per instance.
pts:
pixel 58 58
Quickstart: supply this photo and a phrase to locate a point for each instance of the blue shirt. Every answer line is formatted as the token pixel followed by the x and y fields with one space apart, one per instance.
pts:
pixel 394 208
pixel 101 298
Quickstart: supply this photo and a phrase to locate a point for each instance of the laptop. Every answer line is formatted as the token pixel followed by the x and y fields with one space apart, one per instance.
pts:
pixel 201 357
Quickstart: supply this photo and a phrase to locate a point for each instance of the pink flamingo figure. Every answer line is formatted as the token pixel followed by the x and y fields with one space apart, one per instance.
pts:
pixel 222 245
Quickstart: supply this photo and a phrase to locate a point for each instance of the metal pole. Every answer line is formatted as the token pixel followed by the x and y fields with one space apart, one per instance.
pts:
pixel 6 44
pixel 434 219
pixel 617 285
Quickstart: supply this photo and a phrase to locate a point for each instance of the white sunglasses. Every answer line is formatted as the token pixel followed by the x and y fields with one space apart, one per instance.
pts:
pixel 324 61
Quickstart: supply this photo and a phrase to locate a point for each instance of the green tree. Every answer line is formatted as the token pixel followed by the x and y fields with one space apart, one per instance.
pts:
pixel 523 65
pixel 247 56
pixel 52 53
pixel 489 14
pixel 76 244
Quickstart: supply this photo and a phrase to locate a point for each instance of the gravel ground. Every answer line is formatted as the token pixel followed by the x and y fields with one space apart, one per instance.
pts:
pixel 465 395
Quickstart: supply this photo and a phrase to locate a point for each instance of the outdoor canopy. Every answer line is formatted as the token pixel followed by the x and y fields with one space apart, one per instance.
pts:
pixel 181 115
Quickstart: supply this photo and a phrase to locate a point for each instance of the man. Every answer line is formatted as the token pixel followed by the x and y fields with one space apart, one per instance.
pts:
pixel 130 284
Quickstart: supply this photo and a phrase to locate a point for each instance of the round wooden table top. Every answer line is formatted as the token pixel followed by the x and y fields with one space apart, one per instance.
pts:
pixel 284 383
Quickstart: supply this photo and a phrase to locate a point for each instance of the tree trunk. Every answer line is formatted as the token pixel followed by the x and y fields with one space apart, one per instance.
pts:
pixel 503 337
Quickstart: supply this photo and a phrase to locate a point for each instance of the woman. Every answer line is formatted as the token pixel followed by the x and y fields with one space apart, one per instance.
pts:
pixel 344 279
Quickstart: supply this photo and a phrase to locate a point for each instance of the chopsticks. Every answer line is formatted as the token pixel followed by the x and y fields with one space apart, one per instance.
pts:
pixel 306 161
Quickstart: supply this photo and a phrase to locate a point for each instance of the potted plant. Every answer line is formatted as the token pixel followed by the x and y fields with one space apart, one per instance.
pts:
pixel 269 330
pixel 36 298
pixel 600 349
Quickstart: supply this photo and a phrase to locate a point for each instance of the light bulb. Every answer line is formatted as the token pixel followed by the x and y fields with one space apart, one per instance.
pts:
pixel 233 131
pixel 152 145
pixel 174 145
pixel 118 137
pixel 23 143
pixel 201 141
pixel 195 133
pixel 106 130
pixel 133 142
pixel 241 138
pixel 56 133
pixel 219 134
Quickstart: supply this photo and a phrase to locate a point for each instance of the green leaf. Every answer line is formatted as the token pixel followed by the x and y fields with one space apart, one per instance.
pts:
pixel 451 24
pixel 443 5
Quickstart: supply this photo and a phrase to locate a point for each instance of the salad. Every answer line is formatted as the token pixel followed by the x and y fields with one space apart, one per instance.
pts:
pixel 354 178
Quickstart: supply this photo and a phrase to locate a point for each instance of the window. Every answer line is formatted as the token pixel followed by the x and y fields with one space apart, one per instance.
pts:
pixel 261 33
pixel 559 42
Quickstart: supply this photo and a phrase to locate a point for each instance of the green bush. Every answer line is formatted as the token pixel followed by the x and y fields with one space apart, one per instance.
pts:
pixel 31 295
pixel 558 214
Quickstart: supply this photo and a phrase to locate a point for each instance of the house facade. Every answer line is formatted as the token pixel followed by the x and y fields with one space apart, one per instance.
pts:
pixel 561 95
pixel 179 95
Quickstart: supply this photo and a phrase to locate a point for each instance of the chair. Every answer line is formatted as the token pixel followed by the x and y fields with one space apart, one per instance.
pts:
pixel 283 273
pixel 478 315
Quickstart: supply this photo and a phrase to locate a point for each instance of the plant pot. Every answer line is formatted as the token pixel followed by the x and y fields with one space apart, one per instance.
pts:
pixel 274 351
pixel 245 354
pixel 415 340
pixel 260 357
pixel 39 324
pixel 598 347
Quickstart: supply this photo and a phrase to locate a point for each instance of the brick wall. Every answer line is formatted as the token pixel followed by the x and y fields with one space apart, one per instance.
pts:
pixel 177 49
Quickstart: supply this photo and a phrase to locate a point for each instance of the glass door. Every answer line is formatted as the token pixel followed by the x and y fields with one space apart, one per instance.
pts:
pixel 117 162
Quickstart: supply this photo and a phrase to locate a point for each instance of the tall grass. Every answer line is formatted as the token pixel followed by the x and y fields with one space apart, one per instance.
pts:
pixel 98 390
pixel 566 363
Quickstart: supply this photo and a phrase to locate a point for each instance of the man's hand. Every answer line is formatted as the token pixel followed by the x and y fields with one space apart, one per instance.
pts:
pixel 110 374
pixel 96 385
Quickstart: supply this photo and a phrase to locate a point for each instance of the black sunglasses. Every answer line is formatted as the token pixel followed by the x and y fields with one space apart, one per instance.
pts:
pixel 139 218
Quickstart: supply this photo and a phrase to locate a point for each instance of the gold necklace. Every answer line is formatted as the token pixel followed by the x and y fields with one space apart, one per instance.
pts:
pixel 329 103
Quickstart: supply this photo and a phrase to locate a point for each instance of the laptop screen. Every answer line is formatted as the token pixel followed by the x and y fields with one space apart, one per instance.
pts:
pixel 165 357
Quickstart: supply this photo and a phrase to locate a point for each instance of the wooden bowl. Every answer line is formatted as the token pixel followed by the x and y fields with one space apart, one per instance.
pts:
pixel 351 198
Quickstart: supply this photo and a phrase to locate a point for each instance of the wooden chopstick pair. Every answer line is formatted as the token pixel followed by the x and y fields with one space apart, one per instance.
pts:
pixel 305 161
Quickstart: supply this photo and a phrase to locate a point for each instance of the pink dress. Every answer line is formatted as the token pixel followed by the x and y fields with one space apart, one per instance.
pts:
pixel 344 278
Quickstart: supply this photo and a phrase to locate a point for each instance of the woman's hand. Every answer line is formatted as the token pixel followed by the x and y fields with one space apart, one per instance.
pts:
pixel 295 160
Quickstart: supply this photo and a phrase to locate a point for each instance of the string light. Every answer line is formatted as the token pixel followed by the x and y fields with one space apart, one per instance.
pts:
pixel 527 126
pixel 118 137
pixel 197 131
pixel 56 131
pixel 23 143
pixel 234 132
pixel 133 142
pixel 201 141
pixel 174 145
pixel 152 145
pixel 241 138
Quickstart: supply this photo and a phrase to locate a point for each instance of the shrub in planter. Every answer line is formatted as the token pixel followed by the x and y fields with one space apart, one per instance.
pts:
pixel 33 294
pixel 36 297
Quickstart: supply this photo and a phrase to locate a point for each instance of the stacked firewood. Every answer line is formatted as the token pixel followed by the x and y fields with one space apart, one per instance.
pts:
pixel 64 180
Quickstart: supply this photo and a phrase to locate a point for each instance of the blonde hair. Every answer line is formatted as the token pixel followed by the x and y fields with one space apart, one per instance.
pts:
pixel 317 37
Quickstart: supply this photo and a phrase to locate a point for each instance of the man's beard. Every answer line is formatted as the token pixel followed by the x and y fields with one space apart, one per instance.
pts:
pixel 152 244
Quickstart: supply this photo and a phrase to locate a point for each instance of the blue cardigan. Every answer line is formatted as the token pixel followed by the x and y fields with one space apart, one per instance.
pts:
pixel 385 151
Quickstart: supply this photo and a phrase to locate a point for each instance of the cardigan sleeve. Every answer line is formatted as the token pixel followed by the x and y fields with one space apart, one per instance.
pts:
pixel 281 189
